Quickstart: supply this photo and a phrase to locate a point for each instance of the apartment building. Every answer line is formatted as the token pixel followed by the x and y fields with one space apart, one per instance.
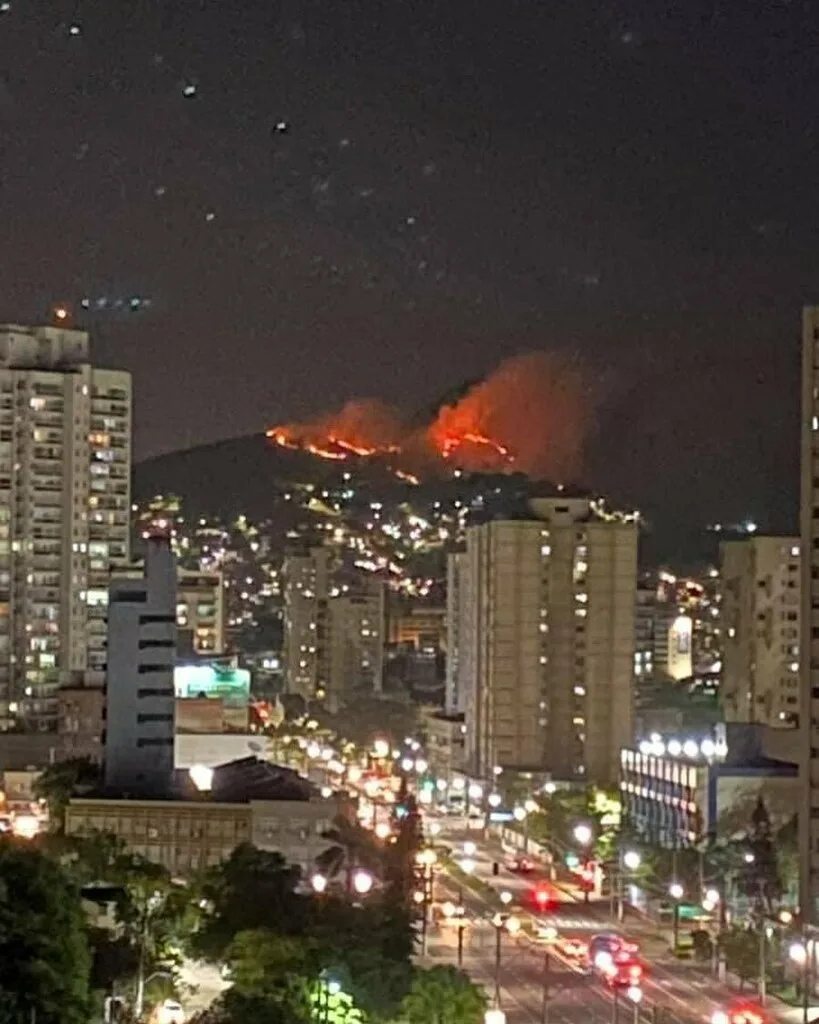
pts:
pixel 760 620
pixel 809 623
pixel 356 642
pixel 200 611
pixel 306 593
pixel 65 468
pixel 546 641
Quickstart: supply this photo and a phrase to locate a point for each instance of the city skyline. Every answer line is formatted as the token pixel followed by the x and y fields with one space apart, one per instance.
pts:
pixel 284 212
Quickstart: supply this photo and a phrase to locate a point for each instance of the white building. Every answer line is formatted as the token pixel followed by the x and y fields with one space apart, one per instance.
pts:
pixel 546 635
pixel 65 469
pixel 760 614
pixel 139 740
pixel 306 592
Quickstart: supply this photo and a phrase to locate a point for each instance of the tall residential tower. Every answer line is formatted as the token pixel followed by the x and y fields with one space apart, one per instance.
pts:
pixel 65 478
pixel 546 641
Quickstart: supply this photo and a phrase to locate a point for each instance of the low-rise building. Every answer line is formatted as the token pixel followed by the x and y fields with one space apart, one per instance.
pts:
pixel 678 792
pixel 445 742
pixel 187 829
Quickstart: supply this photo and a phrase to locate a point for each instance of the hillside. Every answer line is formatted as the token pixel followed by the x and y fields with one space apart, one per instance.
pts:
pixel 244 474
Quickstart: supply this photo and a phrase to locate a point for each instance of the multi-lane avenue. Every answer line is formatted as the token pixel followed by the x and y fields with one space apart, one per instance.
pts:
pixel 536 980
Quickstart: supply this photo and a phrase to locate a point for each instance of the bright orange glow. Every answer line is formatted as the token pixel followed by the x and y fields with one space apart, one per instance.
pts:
pixel 531 414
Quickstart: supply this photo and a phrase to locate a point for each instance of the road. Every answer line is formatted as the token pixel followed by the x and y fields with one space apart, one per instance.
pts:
pixel 673 992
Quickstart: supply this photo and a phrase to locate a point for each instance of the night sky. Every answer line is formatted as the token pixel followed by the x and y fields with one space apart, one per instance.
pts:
pixel 317 200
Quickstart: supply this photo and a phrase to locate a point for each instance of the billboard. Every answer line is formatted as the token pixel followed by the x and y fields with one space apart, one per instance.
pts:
pixel 231 685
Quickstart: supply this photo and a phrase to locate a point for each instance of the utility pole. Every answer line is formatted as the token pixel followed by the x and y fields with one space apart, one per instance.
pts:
pixel 763 966
pixel 498 930
pixel 547 963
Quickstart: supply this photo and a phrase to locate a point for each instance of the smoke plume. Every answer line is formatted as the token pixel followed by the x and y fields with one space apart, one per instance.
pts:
pixel 531 415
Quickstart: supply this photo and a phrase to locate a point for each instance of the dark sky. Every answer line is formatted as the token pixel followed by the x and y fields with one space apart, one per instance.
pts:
pixel 329 199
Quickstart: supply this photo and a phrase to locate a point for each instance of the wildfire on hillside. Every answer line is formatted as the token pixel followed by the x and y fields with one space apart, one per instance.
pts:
pixel 531 415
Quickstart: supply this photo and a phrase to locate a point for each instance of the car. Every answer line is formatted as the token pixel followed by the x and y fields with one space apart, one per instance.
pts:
pixel 573 949
pixel 739 1015
pixel 546 933
pixel 517 862
pixel 620 970
pixel 170 1012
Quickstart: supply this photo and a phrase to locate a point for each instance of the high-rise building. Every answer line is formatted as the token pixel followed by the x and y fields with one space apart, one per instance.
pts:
pixel 139 687
pixel 457 566
pixel 65 469
pixel 760 620
pixel 356 643
pixel 809 622
pixel 546 641
pixel 306 592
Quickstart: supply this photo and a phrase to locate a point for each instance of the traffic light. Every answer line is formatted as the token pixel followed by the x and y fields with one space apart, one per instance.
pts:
pixel 572 860
pixel 542 898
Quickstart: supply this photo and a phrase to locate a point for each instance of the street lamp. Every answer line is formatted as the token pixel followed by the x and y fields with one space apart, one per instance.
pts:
pixel 629 861
pixel 502 923
pixel 470 849
pixel 506 897
pixel 494 1017
pixel 583 834
pixel 676 892
pixel 494 799
pixel 362 882
pixel 319 883
pixel 456 915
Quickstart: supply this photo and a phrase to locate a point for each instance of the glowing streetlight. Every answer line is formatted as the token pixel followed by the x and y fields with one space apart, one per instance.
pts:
pixel 531 806
pixel 495 799
pixel 494 1017
pixel 434 828
pixel 712 896
pixel 519 813
pixel 362 882
pixel 467 865
pixel 421 766
pixel 506 897
pixel 382 830
pixel 512 925
pixel 426 858
pixel 381 748
pixel 550 789
pixel 319 883
pixel 470 849
pixel 632 860
pixel 798 953
pixel 202 777
pixel 749 858
pixel 635 994
pixel 475 791
pixel 676 891
pixel 326 792
pixel 583 834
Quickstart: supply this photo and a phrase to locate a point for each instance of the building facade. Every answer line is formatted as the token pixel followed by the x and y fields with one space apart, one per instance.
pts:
pixel 456 574
pixel 809 622
pixel 200 611
pixel 760 617
pixel 679 792
pixel 546 641
pixel 65 471
pixel 185 836
pixel 139 739
pixel 356 643
pixel 306 593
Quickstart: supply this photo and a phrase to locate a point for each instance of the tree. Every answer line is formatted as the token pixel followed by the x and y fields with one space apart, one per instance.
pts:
pixel 443 995
pixel 758 878
pixel 272 969
pixel 353 847
pixel 251 889
pixel 741 948
pixel 44 957
pixel 57 783
pixel 400 866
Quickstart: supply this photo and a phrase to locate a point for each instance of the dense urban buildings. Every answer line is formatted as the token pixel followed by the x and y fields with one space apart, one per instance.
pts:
pixel 545 635
pixel 809 621
pixel 65 479
pixel 760 621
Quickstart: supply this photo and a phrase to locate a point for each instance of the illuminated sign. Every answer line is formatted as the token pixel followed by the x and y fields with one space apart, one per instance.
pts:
pixel 232 685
